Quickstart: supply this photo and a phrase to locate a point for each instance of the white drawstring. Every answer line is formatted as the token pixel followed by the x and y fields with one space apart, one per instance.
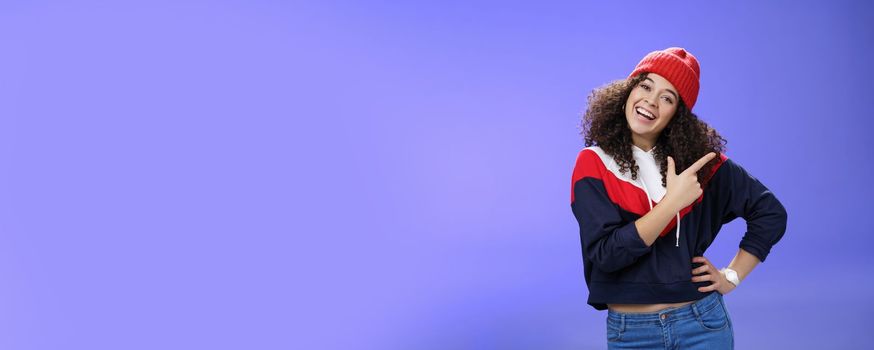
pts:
pixel 649 200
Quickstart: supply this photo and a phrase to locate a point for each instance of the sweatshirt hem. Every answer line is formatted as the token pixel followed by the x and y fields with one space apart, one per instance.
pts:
pixel 603 293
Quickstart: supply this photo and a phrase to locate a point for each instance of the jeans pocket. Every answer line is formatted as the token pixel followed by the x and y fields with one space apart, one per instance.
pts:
pixel 614 330
pixel 713 319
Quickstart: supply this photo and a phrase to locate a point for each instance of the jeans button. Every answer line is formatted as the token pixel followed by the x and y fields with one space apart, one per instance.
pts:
pixel 664 316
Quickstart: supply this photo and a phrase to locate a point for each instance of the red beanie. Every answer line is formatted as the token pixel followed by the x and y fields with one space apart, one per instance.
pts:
pixel 678 66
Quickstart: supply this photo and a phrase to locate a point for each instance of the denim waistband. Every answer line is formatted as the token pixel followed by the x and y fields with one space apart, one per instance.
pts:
pixel 698 307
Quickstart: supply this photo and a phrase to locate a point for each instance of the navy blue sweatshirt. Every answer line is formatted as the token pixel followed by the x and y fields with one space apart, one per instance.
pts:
pixel 620 268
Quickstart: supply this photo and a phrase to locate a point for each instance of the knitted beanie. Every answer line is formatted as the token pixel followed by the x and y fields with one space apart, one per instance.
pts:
pixel 676 65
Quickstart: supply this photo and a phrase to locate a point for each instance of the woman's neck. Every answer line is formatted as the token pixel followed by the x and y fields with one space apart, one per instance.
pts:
pixel 645 145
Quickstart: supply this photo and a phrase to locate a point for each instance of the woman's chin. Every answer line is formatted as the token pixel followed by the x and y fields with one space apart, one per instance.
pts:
pixel 641 129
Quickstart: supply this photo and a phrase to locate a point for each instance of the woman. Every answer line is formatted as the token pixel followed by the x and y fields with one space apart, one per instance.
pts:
pixel 650 168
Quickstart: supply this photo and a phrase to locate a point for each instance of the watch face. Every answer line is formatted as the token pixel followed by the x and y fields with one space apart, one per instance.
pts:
pixel 731 275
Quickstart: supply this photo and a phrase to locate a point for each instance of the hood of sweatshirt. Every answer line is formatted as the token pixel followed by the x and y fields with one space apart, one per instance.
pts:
pixel 650 178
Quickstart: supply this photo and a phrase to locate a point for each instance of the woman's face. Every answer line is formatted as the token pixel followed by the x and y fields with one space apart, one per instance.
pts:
pixel 650 107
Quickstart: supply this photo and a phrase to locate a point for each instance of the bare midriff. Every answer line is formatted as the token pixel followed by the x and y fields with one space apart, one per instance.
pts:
pixel 640 308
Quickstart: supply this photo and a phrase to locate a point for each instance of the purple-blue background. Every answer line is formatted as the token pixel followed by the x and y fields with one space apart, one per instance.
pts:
pixel 374 175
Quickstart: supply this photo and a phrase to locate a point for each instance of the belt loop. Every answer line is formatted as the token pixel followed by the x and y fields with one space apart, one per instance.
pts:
pixel 622 323
pixel 695 310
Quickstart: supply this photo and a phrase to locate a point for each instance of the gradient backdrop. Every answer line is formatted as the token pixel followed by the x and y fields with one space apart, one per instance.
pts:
pixel 396 175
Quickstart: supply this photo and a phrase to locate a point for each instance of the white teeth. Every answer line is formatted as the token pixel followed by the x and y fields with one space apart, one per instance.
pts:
pixel 644 112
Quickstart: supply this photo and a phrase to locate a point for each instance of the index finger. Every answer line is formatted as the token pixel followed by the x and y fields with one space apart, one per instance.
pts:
pixel 700 163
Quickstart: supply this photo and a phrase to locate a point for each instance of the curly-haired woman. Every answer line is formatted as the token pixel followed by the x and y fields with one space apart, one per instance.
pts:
pixel 650 168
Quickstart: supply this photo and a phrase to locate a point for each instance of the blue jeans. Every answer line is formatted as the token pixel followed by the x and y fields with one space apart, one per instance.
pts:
pixel 704 324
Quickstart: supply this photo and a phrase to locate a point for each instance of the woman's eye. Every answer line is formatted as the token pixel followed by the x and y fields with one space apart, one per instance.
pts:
pixel 668 99
pixel 644 86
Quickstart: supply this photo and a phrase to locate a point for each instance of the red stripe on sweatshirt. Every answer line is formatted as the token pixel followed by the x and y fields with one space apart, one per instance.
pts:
pixel 624 194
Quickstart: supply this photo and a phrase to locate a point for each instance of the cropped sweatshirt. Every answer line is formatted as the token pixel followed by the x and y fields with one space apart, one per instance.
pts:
pixel 620 268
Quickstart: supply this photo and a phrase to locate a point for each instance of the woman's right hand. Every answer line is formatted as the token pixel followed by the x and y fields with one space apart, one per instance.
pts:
pixel 683 188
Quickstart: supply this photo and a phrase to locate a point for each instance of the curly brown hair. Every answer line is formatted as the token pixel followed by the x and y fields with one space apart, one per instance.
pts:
pixel 686 138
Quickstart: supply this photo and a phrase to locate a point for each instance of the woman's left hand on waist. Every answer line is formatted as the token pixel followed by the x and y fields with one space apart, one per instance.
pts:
pixel 708 272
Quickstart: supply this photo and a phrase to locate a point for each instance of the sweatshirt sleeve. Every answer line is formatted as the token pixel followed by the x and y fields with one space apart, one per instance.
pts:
pixel 745 196
pixel 608 241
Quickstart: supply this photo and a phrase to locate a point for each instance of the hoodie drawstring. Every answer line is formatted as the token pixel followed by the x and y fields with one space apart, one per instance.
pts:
pixel 649 200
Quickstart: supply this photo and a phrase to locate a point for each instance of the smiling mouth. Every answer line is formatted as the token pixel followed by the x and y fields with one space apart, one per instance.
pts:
pixel 643 113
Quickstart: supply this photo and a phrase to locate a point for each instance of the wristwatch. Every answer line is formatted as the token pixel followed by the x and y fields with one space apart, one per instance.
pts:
pixel 730 275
